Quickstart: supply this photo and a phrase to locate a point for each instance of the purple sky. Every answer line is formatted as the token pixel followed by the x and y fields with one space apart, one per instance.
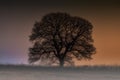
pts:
pixel 17 19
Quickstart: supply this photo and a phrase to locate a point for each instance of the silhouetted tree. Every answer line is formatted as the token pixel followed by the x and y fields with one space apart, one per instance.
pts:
pixel 61 37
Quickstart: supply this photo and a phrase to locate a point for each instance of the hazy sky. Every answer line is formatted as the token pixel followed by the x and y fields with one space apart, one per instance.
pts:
pixel 18 16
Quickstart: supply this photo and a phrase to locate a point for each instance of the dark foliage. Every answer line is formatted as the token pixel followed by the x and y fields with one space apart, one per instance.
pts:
pixel 59 37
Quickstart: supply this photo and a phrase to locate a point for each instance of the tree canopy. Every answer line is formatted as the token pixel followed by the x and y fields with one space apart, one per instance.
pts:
pixel 60 37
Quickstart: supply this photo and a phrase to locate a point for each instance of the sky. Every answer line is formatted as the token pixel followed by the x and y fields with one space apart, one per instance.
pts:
pixel 17 18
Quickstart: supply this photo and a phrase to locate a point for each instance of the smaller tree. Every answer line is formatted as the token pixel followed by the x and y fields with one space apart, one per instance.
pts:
pixel 60 37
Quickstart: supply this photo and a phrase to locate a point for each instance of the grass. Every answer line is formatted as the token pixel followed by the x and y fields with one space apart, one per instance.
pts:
pixel 29 72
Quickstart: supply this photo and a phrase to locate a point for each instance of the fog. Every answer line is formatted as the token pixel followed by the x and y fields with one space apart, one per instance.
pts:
pixel 9 72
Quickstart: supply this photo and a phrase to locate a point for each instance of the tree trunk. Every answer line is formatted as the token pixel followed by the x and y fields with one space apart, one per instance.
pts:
pixel 61 62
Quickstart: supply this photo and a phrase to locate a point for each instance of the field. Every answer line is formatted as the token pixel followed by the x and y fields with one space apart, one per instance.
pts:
pixel 21 72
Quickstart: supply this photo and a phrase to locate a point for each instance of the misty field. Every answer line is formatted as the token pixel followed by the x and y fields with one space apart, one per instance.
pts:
pixel 12 72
